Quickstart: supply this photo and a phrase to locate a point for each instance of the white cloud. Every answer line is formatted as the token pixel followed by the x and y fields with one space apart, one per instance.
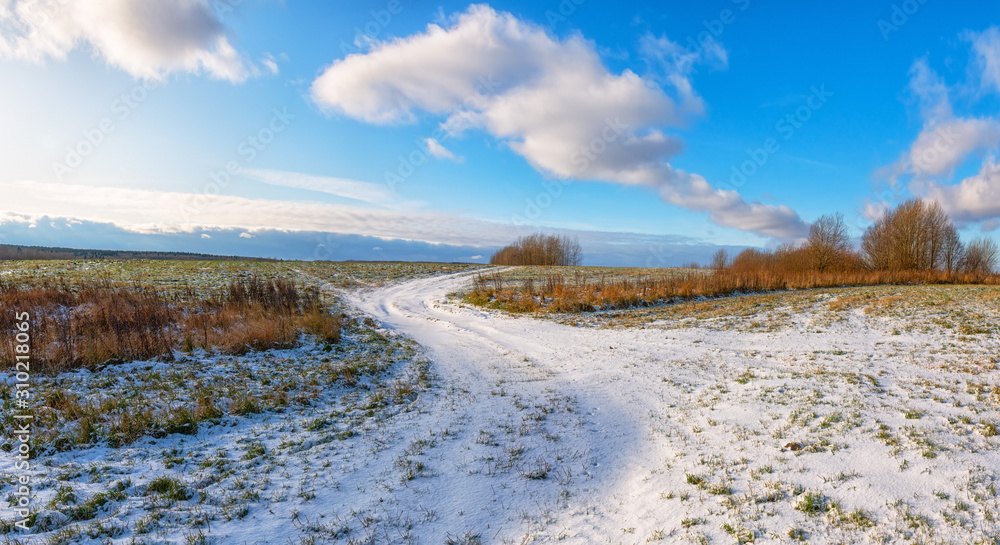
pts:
pixel 437 150
pixel 668 59
pixel 727 208
pixel 930 91
pixel 600 248
pixel 146 38
pixel 551 101
pixel 133 216
pixel 368 192
pixel 976 198
pixel 986 46
pixel 874 210
pixel 149 212
pixel 942 147
pixel 270 64
pixel 946 141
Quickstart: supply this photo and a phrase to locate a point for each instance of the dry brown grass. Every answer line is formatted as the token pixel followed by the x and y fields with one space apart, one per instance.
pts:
pixel 557 293
pixel 86 325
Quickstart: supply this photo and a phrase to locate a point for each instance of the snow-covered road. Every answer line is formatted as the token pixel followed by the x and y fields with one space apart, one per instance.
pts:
pixel 556 392
pixel 589 435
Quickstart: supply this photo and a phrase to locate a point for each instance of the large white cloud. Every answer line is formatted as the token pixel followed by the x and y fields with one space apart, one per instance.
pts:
pixel 146 38
pixel 940 148
pixel 945 142
pixel 551 101
pixel 974 199
pixel 948 141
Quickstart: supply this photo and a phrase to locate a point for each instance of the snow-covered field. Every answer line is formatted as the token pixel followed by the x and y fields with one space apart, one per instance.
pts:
pixel 818 417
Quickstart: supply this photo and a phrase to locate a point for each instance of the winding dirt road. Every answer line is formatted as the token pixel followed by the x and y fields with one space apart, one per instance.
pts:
pixel 629 435
pixel 568 397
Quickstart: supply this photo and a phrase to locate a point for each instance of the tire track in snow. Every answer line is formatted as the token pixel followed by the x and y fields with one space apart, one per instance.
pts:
pixel 479 352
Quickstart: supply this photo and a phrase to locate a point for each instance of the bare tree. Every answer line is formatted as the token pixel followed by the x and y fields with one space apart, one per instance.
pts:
pixel 828 241
pixel 572 251
pixel 912 236
pixel 952 250
pixel 539 249
pixel 720 260
pixel 981 256
pixel 936 224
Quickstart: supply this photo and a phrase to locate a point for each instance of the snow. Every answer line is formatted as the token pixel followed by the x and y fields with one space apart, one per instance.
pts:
pixel 535 430
pixel 651 406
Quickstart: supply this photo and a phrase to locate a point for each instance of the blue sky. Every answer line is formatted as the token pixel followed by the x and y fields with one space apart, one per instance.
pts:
pixel 409 130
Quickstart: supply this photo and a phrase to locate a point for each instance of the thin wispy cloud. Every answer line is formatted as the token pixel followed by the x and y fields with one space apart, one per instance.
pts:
pixel 372 193
pixel 438 150
pixel 602 248
pixel 148 211
pixel 986 47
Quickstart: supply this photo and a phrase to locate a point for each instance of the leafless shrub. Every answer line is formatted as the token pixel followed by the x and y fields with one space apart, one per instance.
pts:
pixel 720 260
pixel 981 256
pixel 539 249
pixel 828 242
pixel 911 237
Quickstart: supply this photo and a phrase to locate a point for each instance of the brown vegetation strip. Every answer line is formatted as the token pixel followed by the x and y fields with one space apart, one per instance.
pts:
pixel 556 293
pixel 916 243
pixel 86 325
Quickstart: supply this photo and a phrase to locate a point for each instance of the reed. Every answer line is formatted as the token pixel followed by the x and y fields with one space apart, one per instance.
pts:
pixel 86 325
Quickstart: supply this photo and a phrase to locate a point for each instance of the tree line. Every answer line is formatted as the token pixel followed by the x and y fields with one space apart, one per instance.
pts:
pixel 914 243
pixel 916 236
pixel 540 249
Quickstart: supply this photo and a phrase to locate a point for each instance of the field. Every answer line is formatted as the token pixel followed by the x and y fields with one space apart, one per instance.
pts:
pixel 835 415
